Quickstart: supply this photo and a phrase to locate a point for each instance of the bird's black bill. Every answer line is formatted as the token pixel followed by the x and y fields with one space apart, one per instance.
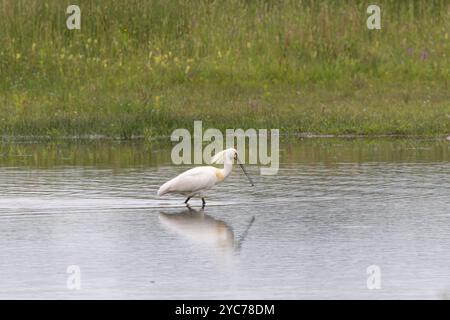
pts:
pixel 245 172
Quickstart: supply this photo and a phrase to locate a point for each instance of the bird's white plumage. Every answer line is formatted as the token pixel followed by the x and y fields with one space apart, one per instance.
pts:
pixel 191 182
pixel 220 157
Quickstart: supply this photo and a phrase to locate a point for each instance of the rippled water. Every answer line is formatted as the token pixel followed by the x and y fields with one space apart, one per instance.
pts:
pixel 335 208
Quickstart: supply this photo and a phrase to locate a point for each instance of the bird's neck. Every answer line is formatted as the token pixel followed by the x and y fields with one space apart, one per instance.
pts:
pixel 227 167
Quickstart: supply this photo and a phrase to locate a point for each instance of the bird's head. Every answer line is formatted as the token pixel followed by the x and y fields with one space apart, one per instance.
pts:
pixel 225 156
pixel 229 156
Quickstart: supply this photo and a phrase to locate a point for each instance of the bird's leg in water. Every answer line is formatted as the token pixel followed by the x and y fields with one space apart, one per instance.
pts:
pixel 188 198
pixel 203 202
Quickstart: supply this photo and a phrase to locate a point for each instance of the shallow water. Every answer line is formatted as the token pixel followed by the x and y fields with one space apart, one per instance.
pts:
pixel 336 207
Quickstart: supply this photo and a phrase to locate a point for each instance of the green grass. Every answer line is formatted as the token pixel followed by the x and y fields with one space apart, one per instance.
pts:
pixel 144 68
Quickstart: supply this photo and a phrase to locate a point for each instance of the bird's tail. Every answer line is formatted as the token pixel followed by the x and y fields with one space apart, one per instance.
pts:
pixel 164 188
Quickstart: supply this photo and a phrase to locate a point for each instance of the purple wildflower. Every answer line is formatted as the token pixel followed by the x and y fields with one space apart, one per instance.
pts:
pixel 424 55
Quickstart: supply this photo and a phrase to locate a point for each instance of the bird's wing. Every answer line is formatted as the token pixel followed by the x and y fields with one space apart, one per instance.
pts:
pixel 190 181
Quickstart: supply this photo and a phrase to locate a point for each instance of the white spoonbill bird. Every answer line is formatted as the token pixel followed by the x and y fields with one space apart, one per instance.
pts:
pixel 196 181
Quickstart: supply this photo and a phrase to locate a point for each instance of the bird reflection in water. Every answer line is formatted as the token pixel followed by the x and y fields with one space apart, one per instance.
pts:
pixel 200 228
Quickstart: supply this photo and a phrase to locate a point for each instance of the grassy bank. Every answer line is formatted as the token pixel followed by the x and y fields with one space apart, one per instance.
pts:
pixel 137 68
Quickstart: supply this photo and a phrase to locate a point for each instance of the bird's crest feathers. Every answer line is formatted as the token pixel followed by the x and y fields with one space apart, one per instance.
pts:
pixel 220 157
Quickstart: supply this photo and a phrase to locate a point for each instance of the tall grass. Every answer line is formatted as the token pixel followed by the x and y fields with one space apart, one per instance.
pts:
pixel 147 67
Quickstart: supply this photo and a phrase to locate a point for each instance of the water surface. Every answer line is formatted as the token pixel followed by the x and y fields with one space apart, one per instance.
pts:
pixel 336 207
